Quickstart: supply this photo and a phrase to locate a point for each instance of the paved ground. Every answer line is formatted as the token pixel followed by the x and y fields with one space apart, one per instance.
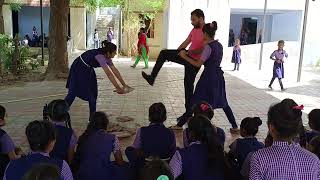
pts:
pixel 25 103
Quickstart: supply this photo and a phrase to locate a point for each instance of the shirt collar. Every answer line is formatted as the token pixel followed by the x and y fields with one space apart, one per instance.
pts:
pixel 59 123
pixel 196 142
pixel 284 143
pixel 42 153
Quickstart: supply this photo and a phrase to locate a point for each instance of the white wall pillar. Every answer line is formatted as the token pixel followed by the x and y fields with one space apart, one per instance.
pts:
pixel 78 27
pixel 7 16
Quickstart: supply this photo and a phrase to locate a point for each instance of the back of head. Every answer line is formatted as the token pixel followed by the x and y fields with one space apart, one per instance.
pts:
pixel 281 42
pixel 201 129
pixel 210 29
pixel 314 119
pixel 143 30
pixel 43 172
pixel 99 120
pixel 157 113
pixel 108 47
pixel 285 117
pixel 203 108
pixel 40 134
pixel 2 112
pixel 58 110
pixel 198 12
pixel 314 146
pixel 154 169
pixel 251 125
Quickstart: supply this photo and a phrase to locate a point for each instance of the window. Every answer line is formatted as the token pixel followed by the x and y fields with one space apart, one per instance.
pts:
pixel 148 24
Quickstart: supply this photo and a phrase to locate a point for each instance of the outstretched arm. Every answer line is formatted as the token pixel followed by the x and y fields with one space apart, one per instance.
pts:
pixel 112 79
pixel 194 62
pixel 118 75
pixel 185 43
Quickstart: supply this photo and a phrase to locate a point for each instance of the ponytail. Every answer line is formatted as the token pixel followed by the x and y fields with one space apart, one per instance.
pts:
pixel 201 128
pixel 108 47
pixel 210 29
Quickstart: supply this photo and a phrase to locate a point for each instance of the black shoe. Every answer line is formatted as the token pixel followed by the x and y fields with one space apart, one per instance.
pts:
pixel 148 78
pixel 270 87
pixel 283 89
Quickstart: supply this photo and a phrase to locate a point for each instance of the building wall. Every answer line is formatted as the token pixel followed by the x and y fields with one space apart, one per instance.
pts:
pixel 29 17
pixel 156 43
pixel 287 26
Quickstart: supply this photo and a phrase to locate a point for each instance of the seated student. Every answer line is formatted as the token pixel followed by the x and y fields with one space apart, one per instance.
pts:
pixel 43 172
pixel 204 157
pixel 66 138
pixel 7 147
pixel 204 109
pixel 314 123
pixel 153 140
pixel 156 169
pixel 285 159
pixel 314 146
pixel 240 148
pixel 95 145
pixel 41 137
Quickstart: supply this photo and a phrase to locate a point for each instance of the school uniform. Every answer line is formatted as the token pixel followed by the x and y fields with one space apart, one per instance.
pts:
pixel 66 139
pixel 192 163
pixel 18 168
pixel 236 57
pixel 94 157
pixel 311 134
pixel 278 69
pixel 220 133
pixel 153 140
pixel 241 147
pixel 6 146
pixel 82 80
pixel 211 85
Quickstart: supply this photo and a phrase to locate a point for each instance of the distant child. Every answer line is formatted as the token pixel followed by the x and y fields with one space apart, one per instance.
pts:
pixel 143 48
pixel 241 147
pixel 204 158
pixel 96 39
pixel 154 140
pixel 314 123
pixel 92 160
pixel 314 146
pixel 206 110
pixel 156 170
pixel 278 69
pixel 58 112
pixel 41 137
pixel 236 55
pixel 7 147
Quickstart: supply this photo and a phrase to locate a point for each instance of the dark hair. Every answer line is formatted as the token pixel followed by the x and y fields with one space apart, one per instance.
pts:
pixel 108 47
pixel 40 134
pixel 95 29
pixel 314 146
pixel 43 172
pixel 210 29
pixel 285 118
pixel 281 42
pixel 201 129
pixel 251 125
pixel 143 29
pixel 157 113
pixel 98 121
pixel 58 111
pixel 154 169
pixel 2 112
pixel 203 108
pixel 198 12
pixel 314 119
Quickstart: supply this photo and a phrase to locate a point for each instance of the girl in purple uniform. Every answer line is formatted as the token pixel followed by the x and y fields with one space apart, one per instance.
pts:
pixel 7 147
pixel 236 55
pixel 82 80
pixel 278 69
pixel 211 85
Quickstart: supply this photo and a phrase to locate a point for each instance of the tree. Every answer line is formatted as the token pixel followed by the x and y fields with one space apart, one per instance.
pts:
pixel 1 18
pixel 58 32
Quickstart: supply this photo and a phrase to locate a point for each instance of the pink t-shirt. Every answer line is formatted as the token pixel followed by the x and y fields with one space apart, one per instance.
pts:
pixel 196 36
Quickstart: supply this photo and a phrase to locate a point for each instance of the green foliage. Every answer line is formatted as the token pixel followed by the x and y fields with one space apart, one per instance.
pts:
pixel 7 54
pixel 318 63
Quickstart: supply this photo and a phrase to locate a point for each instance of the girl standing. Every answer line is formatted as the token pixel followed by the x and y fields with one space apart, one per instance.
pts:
pixel 82 80
pixel 211 85
pixel 143 49
pixel 236 55
pixel 278 70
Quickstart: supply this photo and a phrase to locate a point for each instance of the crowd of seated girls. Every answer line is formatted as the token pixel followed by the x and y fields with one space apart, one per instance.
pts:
pixel 57 152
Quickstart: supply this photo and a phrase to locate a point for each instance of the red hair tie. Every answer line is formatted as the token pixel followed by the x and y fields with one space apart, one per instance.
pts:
pixel 301 107
pixel 204 107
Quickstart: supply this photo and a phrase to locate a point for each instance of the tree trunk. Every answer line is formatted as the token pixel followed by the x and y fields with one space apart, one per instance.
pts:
pixel 58 32
pixel 1 17
pixel 15 57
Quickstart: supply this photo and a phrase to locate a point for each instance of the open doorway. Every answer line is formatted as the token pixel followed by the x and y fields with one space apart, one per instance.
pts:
pixel 249 30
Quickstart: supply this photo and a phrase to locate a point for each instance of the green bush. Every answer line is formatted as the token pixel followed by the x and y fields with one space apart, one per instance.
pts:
pixel 318 63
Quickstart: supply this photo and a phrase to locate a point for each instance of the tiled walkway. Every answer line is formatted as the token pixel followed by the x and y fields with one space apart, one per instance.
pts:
pixel 25 103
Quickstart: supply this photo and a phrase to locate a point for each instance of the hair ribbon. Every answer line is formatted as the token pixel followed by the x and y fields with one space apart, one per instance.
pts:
pixel 301 107
pixel 163 177
pixel 204 107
